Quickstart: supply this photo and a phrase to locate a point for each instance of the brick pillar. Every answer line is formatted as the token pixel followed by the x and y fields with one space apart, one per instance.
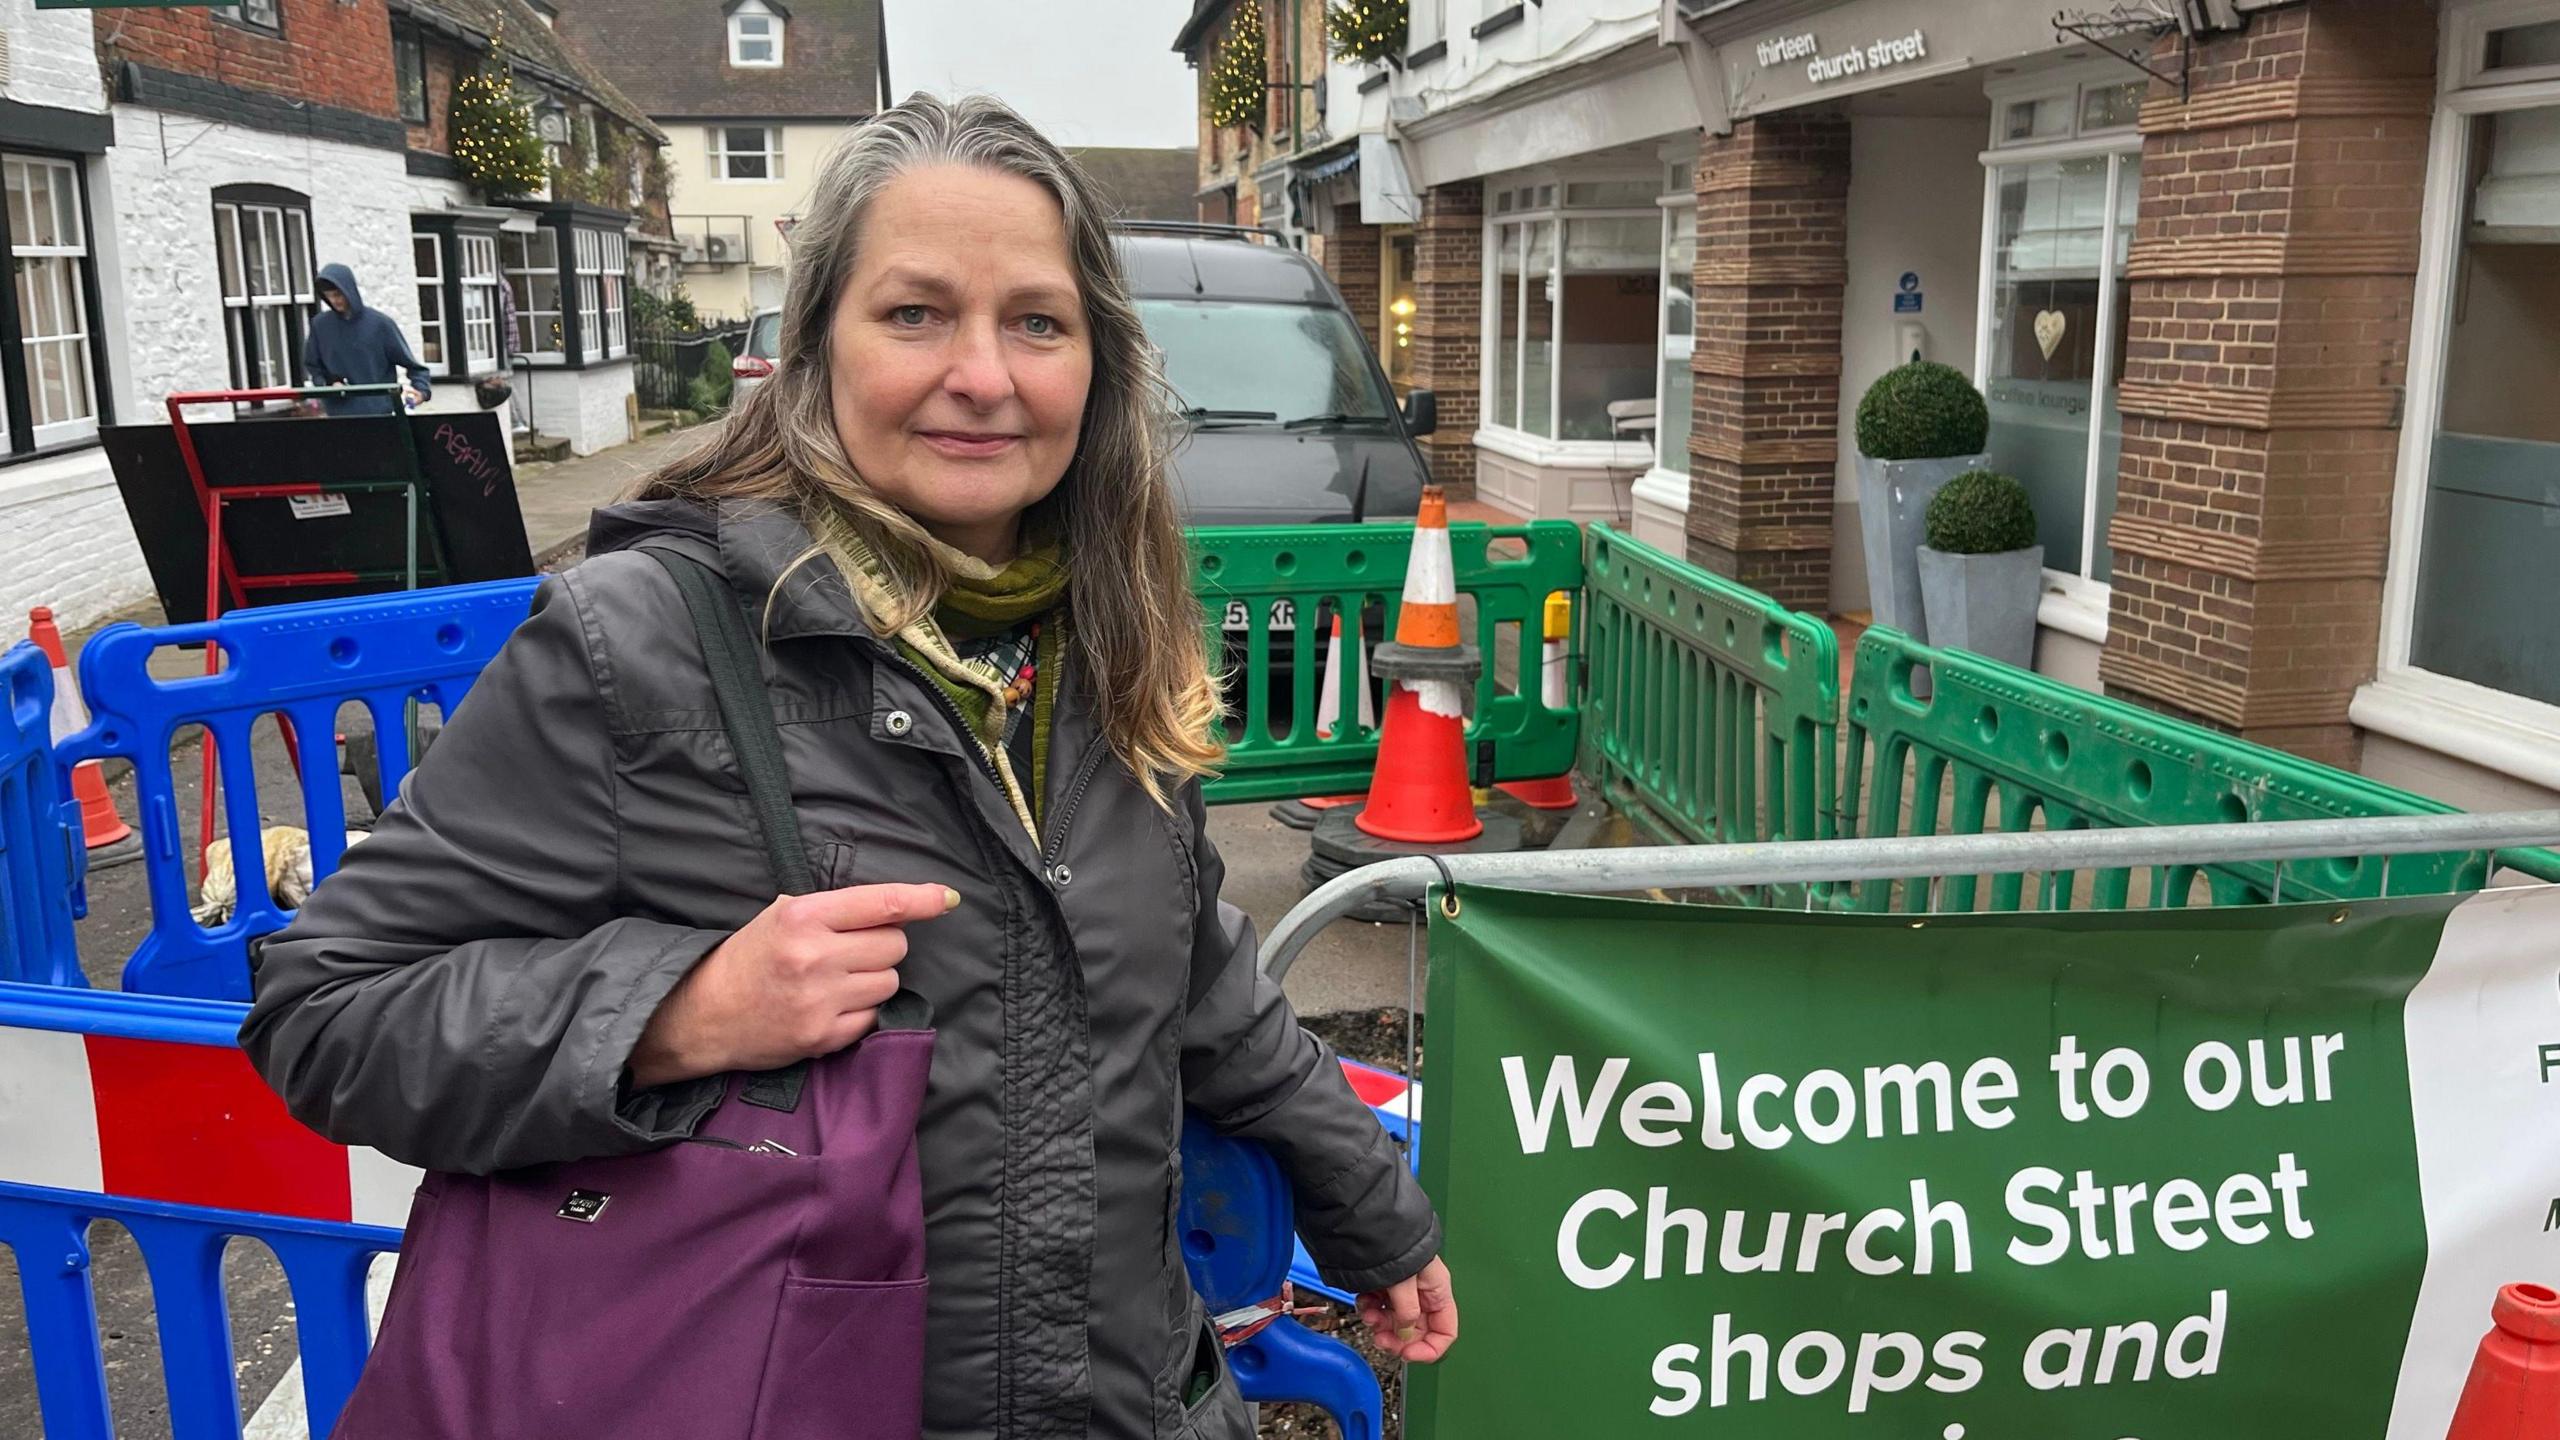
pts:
pixel 2272 274
pixel 1764 434
pixel 1448 326
pixel 1351 262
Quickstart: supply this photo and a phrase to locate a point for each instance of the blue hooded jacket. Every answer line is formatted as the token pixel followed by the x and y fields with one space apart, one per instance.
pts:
pixel 361 347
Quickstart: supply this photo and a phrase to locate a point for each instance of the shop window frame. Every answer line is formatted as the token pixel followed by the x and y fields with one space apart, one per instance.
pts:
pixel 1516 201
pixel 2072 603
pixel 2511 734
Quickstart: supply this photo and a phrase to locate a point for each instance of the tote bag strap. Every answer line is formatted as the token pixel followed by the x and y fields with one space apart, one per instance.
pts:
pixel 746 710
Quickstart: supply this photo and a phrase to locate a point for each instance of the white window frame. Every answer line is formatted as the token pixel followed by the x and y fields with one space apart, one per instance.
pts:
pixel 431 316
pixel 1543 193
pixel 2072 603
pixel 721 154
pixel 588 266
pixel 2511 734
pixel 1666 484
pixel 536 351
pixel 477 265
pixel 739 38
pixel 248 307
pixel 80 341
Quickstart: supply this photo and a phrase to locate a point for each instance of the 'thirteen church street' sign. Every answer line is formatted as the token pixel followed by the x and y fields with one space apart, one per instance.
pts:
pixel 1821 69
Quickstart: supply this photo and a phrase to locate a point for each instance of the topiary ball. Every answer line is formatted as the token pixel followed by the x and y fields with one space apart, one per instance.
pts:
pixel 1922 411
pixel 1981 512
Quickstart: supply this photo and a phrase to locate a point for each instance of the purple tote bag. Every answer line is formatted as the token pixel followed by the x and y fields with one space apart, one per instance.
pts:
pixel 762 1280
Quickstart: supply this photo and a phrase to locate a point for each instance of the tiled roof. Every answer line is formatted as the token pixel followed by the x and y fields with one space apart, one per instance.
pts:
pixel 1146 184
pixel 529 43
pixel 672 57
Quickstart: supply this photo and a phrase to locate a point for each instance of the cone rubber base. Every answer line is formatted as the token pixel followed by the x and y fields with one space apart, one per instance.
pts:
pixel 115 853
pixel 1302 814
pixel 1340 846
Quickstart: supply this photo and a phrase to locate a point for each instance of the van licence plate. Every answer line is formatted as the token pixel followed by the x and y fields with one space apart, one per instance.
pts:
pixel 1283 616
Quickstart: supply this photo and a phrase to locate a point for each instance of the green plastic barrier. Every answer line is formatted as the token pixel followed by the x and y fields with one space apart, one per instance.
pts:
pixel 2000 750
pixel 1270 594
pixel 1710 712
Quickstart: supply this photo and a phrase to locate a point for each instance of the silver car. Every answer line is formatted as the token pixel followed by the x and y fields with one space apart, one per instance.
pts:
pixel 755 362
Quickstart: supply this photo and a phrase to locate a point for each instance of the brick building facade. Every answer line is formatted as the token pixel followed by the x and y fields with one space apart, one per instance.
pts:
pixel 1764 437
pixel 2264 314
pixel 2273 271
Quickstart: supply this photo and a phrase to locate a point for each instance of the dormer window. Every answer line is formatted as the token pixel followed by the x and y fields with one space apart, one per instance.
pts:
pixel 755 35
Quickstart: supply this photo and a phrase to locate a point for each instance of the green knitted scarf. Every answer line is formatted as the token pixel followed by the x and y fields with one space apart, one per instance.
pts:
pixel 983 600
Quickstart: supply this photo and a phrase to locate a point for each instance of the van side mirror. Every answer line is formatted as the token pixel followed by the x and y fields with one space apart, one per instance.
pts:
pixel 1421 413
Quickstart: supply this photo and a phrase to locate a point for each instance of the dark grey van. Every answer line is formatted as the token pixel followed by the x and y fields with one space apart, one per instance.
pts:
pixel 1291 420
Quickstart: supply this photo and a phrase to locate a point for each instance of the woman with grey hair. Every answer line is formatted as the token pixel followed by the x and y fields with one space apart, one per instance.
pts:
pixel 949 521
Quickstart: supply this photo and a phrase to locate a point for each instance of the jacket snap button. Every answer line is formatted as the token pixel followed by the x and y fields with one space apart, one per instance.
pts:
pixel 1061 876
pixel 900 722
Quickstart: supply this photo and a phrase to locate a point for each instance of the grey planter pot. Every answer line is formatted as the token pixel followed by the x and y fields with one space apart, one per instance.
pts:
pixel 1984 603
pixel 1893 498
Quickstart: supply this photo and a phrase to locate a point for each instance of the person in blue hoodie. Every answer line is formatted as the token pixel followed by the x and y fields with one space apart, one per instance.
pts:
pixel 352 345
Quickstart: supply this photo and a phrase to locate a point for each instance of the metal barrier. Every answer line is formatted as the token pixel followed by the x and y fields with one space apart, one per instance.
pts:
pixel 1709 711
pixel 42 851
pixel 298 662
pixel 142 1110
pixel 1996 749
pixel 1271 595
pixel 1807 864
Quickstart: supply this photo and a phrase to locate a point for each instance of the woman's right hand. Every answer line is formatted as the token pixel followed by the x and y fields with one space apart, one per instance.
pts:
pixel 805 978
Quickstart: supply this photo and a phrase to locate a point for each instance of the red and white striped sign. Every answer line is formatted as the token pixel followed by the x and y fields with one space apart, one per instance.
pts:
pixel 184 1124
pixel 1385 1092
pixel 195 1125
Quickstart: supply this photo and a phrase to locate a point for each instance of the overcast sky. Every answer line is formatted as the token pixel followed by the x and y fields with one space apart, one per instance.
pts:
pixel 1089 72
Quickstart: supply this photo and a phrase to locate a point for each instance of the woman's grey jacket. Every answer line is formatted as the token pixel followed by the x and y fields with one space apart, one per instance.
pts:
pixel 465 993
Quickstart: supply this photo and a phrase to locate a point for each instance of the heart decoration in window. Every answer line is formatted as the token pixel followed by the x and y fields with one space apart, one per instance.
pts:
pixel 2049 327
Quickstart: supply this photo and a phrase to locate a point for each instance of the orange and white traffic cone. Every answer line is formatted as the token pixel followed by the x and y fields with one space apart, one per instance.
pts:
pixel 2514 1389
pixel 1418 794
pixel 1555 691
pixel 1419 800
pixel 105 832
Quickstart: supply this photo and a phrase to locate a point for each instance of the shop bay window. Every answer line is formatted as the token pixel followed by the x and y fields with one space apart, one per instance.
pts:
pixel 2058 225
pixel 479 271
pixel 1576 310
pixel 2484 483
pixel 51 380
pixel 1679 326
pixel 533 280
pixel 603 258
pixel 427 252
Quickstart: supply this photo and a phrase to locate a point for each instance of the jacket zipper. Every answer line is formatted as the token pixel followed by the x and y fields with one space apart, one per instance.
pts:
pixel 1085 772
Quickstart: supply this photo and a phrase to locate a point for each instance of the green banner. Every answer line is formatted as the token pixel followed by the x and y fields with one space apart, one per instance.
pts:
pixel 2149 1176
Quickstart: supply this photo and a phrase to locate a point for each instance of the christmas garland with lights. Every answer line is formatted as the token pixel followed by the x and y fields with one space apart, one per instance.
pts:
pixel 1238 87
pixel 494 144
pixel 1368 29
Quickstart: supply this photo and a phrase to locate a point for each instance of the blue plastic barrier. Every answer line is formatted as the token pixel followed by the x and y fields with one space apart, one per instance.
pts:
pixel 1237 1241
pixel 298 661
pixel 1235 1218
pixel 45 1226
pixel 42 855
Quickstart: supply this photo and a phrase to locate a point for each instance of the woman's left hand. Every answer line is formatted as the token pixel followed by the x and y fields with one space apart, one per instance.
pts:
pixel 1415 1319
